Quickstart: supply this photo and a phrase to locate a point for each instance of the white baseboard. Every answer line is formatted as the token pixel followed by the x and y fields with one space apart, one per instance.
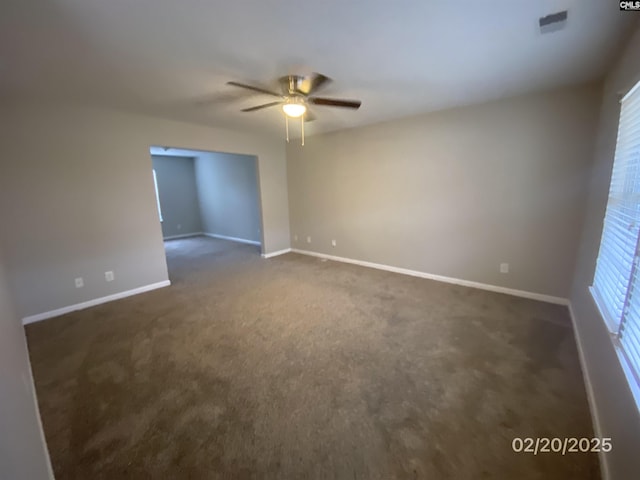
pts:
pixel 591 399
pixel 91 303
pixel 233 239
pixel 276 253
pixel 185 235
pixel 32 387
pixel 456 281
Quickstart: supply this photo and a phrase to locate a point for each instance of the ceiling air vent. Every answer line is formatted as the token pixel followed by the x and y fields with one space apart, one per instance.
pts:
pixel 553 22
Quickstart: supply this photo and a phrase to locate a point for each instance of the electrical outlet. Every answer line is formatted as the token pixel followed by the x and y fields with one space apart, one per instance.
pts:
pixel 295 238
pixel 504 268
pixel 333 243
pixel 308 239
pixel 179 226
pixel 79 282
pixel 108 276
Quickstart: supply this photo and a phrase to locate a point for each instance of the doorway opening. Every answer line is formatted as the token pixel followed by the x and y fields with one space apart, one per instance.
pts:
pixel 207 194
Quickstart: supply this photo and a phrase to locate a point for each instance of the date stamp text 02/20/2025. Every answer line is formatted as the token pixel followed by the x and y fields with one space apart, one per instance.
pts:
pixel 561 445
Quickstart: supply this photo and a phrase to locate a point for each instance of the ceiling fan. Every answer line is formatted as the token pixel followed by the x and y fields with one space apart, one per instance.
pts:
pixel 297 93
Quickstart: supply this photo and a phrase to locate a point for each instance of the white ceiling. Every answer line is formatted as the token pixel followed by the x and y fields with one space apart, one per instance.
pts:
pixel 173 58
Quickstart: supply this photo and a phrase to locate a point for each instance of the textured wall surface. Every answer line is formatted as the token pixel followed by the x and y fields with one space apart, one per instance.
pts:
pixel 23 455
pixel 228 195
pixel 77 199
pixel 178 194
pixel 455 193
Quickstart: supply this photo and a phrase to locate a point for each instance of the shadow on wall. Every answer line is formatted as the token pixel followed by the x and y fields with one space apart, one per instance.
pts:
pixel 210 193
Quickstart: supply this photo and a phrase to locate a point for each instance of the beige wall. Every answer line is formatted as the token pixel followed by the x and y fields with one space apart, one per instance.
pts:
pixel 178 194
pixel 454 193
pixel 617 412
pixel 77 199
pixel 23 454
pixel 228 195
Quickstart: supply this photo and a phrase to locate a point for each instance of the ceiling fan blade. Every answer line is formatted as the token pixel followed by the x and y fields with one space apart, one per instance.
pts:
pixel 334 102
pixel 259 107
pixel 313 83
pixel 218 98
pixel 255 89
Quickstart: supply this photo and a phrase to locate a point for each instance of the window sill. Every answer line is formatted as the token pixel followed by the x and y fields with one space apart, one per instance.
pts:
pixel 634 386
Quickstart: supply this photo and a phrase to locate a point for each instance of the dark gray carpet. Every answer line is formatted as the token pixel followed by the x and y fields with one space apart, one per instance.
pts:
pixel 295 368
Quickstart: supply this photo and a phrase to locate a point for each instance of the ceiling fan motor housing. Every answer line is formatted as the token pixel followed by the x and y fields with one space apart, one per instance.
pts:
pixel 295 85
pixel 296 98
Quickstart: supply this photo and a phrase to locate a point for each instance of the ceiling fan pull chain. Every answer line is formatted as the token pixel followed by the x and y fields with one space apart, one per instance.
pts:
pixel 302 128
pixel 286 123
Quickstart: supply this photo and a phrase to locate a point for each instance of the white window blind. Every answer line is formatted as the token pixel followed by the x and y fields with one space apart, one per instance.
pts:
pixel 616 284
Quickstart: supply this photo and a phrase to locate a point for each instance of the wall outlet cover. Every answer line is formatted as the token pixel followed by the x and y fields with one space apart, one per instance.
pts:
pixel 108 276
pixel 308 239
pixel 79 282
pixel 504 268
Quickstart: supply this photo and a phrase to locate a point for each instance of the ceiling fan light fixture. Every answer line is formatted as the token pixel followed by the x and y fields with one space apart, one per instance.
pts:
pixel 294 110
pixel 297 92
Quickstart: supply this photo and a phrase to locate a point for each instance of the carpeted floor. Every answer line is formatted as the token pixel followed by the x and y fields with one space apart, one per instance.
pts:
pixel 295 368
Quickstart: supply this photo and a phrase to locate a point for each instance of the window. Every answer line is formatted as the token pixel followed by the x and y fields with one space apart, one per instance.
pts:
pixel 155 184
pixel 616 284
